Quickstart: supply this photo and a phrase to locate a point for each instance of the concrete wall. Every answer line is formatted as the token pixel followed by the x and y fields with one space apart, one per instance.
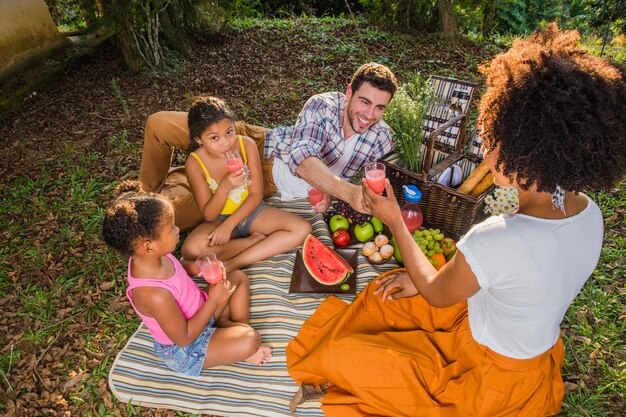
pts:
pixel 27 35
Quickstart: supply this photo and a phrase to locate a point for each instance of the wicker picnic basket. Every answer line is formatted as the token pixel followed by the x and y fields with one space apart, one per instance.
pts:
pixel 443 207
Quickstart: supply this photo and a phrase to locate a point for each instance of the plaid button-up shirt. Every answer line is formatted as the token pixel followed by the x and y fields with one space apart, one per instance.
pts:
pixel 319 133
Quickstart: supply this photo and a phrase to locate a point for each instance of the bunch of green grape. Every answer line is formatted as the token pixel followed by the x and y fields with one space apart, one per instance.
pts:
pixel 429 241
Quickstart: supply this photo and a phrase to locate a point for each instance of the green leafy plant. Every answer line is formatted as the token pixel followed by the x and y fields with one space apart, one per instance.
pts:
pixel 405 113
pixel 120 97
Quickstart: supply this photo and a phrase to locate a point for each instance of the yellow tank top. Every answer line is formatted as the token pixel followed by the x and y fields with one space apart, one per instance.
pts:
pixel 235 197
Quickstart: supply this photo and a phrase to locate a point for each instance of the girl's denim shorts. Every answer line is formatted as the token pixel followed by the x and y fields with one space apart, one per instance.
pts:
pixel 186 360
pixel 243 228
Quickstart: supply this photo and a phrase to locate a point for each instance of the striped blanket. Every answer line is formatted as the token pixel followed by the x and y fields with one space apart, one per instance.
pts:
pixel 137 376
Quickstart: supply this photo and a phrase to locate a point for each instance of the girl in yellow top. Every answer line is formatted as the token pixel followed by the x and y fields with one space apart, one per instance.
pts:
pixel 239 227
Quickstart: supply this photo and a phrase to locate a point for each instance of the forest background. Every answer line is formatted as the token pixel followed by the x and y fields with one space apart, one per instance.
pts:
pixel 63 315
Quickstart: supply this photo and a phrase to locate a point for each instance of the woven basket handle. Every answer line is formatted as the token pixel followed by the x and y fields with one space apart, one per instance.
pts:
pixel 460 143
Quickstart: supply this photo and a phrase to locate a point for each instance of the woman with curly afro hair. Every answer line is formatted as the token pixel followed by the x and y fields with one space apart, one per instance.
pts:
pixel 481 336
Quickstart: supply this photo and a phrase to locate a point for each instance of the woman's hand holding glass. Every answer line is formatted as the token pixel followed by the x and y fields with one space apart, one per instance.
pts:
pixel 386 209
pixel 375 176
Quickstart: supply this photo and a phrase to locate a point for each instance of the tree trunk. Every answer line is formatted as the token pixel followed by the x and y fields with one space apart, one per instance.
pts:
pixel 52 7
pixel 488 18
pixel 202 17
pixel 143 25
pixel 137 25
pixel 447 23
pixel 174 28
pixel 90 12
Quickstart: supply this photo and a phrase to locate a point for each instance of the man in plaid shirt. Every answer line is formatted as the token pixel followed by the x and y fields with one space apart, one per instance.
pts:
pixel 334 137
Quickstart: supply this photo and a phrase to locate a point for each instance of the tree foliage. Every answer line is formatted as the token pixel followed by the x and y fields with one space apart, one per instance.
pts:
pixel 409 15
pixel 75 14
pixel 148 29
pixel 518 17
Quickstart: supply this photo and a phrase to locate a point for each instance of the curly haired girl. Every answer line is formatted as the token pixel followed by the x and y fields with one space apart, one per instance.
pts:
pixel 192 329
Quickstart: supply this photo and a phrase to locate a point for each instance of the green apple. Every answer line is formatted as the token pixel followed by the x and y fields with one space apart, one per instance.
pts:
pixel 338 222
pixel 396 251
pixel 364 231
pixel 378 225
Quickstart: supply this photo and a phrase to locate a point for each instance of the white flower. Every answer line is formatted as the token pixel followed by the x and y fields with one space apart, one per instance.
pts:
pixel 503 200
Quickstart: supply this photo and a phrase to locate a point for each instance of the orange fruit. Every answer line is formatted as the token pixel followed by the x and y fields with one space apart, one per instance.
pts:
pixel 439 259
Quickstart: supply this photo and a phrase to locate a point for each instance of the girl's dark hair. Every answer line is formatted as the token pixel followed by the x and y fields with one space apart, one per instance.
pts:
pixel 379 75
pixel 204 112
pixel 557 112
pixel 135 214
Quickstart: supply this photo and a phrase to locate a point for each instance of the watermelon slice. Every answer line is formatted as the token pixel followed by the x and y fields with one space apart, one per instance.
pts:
pixel 324 264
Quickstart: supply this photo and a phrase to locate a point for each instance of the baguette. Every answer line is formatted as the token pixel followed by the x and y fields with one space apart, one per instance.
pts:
pixel 483 185
pixel 474 178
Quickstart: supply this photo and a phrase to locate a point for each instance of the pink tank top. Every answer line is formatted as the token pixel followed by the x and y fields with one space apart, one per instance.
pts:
pixel 185 291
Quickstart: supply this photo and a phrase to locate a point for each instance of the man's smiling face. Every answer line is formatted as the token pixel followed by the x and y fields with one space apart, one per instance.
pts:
pixel 364 107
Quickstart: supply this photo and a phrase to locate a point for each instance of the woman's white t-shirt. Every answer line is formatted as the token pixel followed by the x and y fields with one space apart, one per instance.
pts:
pixel 529 271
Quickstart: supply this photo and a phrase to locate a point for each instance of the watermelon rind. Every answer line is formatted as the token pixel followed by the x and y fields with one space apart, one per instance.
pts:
pixel 324 264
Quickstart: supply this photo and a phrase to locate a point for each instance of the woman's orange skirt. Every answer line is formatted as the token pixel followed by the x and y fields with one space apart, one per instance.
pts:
pixel 407 358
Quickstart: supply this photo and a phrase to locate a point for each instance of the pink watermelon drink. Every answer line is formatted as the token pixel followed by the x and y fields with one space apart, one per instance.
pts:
pixel 235 163
pixel 375 176
pixel 210 268
pixel 212 273
pixel 315 196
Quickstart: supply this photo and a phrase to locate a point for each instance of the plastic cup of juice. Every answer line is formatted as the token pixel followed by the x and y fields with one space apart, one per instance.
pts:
pixel 210 267
pixel 235 163
pixel 375 176
pixel 315 196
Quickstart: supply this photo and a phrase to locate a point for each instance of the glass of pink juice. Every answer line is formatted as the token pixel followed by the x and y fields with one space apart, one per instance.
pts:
pixel 235 163
pixel 210 267
pixel 375 176
pixel 315 196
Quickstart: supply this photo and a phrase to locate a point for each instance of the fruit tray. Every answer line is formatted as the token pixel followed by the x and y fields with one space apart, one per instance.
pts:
pixel 303 282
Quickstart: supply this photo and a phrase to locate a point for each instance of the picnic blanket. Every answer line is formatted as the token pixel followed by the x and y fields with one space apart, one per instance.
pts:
pixel 138 376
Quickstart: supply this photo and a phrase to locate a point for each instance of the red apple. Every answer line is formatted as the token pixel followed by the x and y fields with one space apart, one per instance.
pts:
pixel 341 237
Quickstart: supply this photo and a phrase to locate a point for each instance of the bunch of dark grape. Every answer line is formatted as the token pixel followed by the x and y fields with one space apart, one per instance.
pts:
pixel 345 209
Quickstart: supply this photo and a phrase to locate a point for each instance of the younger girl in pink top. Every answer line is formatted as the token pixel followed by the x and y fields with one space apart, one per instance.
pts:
pixel 193 329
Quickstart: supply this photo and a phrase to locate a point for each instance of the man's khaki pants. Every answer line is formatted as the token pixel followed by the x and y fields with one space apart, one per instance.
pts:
pixel 168 130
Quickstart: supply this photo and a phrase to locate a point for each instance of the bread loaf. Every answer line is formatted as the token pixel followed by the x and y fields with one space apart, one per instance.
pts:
pixel 474 178
pixel 483 185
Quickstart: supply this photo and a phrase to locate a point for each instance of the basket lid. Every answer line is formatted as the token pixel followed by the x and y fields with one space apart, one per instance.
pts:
pixel 412 194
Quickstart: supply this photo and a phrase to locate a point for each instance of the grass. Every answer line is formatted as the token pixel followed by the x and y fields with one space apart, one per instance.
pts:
pixel 51 221
pixel 64 210
pixel 595 324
